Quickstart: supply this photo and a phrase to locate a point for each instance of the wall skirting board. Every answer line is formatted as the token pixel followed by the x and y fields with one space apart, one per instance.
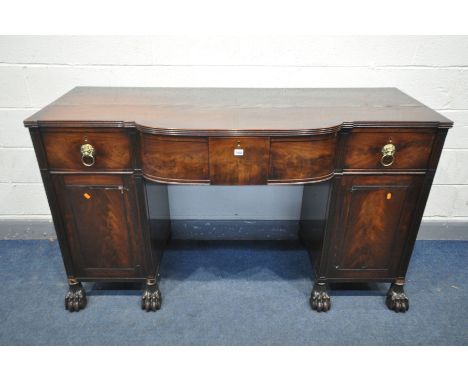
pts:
pixel 16 229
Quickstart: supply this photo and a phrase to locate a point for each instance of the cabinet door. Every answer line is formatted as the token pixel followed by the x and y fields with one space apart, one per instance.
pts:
pixel 101 219
pixel 372 224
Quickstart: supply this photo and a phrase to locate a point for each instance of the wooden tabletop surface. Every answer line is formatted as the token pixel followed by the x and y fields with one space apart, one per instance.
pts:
pixel 212 109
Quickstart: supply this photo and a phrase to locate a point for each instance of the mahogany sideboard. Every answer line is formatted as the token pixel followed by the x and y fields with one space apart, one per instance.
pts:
pixel 377 148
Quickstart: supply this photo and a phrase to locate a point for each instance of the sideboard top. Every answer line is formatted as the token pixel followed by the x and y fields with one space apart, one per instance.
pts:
pixel 214 110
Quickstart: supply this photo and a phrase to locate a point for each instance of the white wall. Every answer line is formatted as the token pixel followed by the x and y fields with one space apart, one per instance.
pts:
pixel 36 70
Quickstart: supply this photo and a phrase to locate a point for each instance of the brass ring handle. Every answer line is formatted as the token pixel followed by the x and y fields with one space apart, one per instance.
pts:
pixel 87 154
pixel 388 155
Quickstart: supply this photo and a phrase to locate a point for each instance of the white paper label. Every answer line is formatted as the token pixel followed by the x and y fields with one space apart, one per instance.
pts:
pixel 238 152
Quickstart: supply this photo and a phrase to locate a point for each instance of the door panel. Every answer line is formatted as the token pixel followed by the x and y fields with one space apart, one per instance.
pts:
pixel 374 220
pixel 102 224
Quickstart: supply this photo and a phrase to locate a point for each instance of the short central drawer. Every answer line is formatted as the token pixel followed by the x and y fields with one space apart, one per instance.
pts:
pixel 240 160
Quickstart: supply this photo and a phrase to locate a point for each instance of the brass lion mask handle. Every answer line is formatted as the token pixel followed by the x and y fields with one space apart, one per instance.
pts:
pixel 87 154
pixel 388 155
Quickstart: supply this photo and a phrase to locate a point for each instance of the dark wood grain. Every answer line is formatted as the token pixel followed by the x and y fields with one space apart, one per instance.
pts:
pixel 375 214
pixel 413 149
pixel 250 168
pixel 236 111
pixel 102 225
pixel 175 160
pixel 113 149
pixel 302 159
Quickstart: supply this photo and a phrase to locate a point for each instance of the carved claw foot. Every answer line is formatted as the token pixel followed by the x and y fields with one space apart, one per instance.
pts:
pixel 151 299
pixel 396 299
pixel 319 299
pixel 76 297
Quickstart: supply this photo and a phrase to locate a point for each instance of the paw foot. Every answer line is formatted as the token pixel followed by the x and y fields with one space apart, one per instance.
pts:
pixel 396 299
pixel 75 298
pixel 319 299
pixel 151 299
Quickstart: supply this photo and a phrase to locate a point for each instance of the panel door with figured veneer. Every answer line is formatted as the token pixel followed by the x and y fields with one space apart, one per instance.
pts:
pixel 101 218
pixel 374 221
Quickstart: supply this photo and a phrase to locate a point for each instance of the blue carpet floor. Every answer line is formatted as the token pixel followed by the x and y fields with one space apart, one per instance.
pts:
pixel 232 293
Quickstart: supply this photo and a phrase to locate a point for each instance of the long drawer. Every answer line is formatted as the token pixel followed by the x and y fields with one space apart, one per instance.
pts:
pixel 237 160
